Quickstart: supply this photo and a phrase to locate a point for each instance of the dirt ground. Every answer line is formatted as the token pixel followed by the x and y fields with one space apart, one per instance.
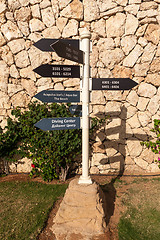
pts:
pixel 113 196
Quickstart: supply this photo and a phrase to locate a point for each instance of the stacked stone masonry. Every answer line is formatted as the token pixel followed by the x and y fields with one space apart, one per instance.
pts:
pixel 125 39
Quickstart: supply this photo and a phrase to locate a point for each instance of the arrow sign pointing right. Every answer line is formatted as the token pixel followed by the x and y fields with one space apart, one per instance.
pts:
pixel 112 83
pixel 64 50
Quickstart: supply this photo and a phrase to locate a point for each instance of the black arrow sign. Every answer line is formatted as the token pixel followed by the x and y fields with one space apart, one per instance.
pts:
pixel 64 50
pixel 58 123
pixel 44 44
pixel 112 83
pixel 58 71
pixel 76 109
pixel 58 96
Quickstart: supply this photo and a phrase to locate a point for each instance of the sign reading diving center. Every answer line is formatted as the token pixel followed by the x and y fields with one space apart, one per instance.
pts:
pixel 58 96
pixel 47 124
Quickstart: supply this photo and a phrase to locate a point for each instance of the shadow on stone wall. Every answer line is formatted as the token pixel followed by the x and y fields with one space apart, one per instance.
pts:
pixel 116 138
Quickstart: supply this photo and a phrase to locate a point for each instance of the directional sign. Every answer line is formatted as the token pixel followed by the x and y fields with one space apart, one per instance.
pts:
pixel 58 96
pixel 112 83
pixel 44 44
pixel 58 123
pixel 64 50
pixel 76 109
pixel 58 71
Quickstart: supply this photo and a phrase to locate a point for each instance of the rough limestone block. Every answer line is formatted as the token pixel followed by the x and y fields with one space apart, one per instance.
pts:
pixel 81 211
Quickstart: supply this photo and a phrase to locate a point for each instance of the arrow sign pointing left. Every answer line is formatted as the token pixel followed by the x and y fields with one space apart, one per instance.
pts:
pixel 66 51
pixel 112 83
pixel 47 124
pixel 58 96
pixel 58 71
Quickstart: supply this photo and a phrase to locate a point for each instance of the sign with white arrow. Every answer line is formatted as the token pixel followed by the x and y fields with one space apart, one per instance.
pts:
pixel 66 51
pixel 48 124
pixel 58 96
pixel 58 71
pixel 112 83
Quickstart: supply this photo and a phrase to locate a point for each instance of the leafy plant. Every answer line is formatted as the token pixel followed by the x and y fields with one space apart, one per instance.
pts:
pixel 155 146
pixel 53 152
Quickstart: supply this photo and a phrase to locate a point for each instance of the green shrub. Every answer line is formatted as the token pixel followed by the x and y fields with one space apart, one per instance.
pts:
pixel 155 146
pixel 53 152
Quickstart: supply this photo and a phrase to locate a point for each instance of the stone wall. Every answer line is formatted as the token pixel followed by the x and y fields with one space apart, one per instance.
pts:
pixel 125 39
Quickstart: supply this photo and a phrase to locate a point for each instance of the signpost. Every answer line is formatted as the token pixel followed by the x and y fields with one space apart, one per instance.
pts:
pixel 48 124
pixel 112 83
pixel 44 44
pixel 76 109
pixel 58 71
pixel 69 49
pixel 58 96
pixel 66 51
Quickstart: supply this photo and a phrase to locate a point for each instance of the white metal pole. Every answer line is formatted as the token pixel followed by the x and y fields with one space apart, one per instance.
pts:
pixel 85 38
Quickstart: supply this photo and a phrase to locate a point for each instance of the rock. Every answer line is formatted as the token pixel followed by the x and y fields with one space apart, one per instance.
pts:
pixel 153 79
pixel 6 55
pixel 58 86
pixel 129 160
pixel 121 71
pixel 132 9
pixel 105 44
pixel 154 104
pixel 146 90
pixel 111 12
pixel 142 103
pixel 4 99
pixel 134 148
pixel 13 89
pixel 52 32
pixel 147 155
pixel 144 118
pixel 63 3
pixel 38 57
pixel 45 4
pixel 61 23
pixel 148 5
pixel 130 111
pixel 149 52
pixel 36 25
pixel 4 74
pixel 20 99
pixel 36 11
pixel 2 40
pixel 132 58
pixel 48 17
pixel 71 82
pixel 97 98
pixel 14 72
pixel 115 25
pixel 140 70
pixel 81 211
pixel 71 29
pixel 134 122
pixel 24 3
pixel 98 147
pixel 29 86
pixel 3 7
pixel 152 33
pixel 16 45
pixel 35 1
pixel 91 10
pixel 128 43
pixel 111 148
pixel 131 24
pixel 132 98
pixel 21 59
pixel 104 6
pixel 113 108
pixel 155 65
pixel 141 30
pixel 27 73
pixel 10 30
pixel 142 41
pixel 99 27
pixel 153 168
pixel 24 165
pixel 111 57
pixel 14 4
pixel 24 27
pixel 94 170
pixel 23 14
pixel 141 163
pixel 73 10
